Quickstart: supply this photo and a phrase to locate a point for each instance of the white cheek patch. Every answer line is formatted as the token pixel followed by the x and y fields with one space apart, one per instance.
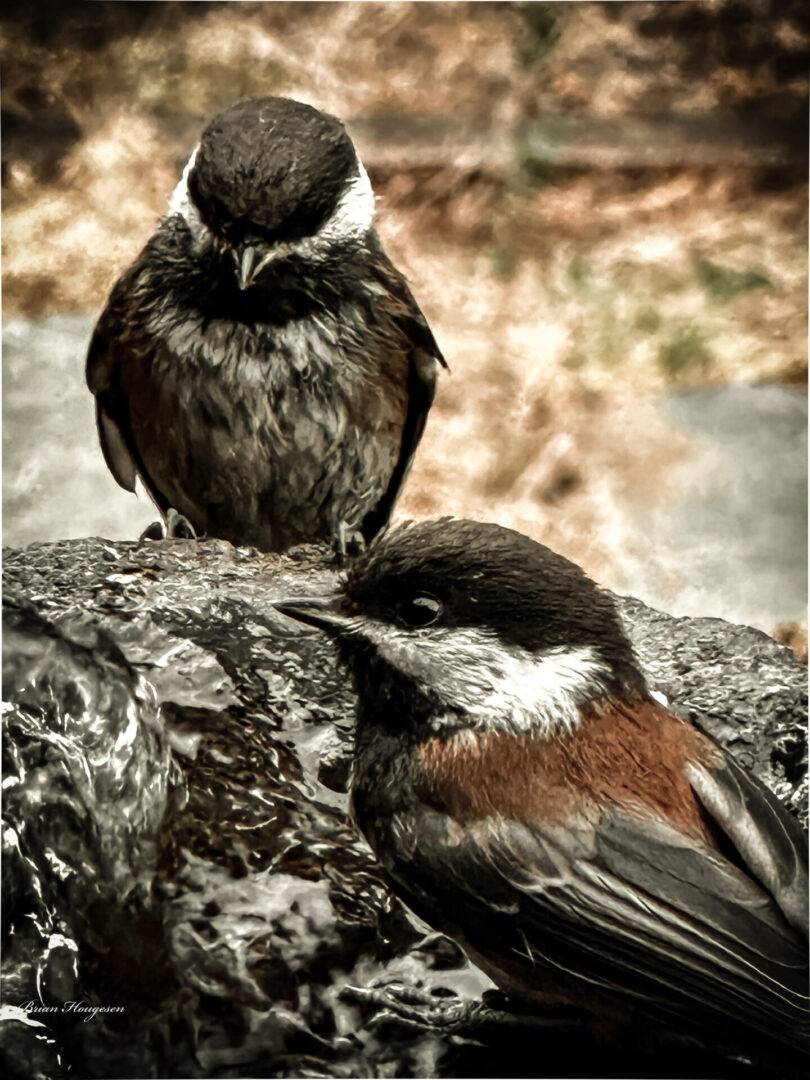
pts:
pixel 495 686
pixel 181 203
pixel 353 215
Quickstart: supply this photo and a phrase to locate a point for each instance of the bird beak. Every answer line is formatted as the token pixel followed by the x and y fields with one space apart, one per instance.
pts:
pixel 250 261
pixel 317 611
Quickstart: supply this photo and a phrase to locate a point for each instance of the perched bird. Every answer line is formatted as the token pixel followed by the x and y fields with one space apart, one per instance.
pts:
pixel 530 798
pixel 262 365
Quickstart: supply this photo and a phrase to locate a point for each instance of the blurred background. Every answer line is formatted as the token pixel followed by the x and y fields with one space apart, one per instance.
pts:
pixel 601 208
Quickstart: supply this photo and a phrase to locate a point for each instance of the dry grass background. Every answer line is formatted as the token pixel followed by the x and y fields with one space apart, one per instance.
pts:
pixel 565 291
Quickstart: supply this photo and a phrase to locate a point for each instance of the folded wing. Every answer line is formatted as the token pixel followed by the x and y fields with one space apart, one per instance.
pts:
pixel 626 902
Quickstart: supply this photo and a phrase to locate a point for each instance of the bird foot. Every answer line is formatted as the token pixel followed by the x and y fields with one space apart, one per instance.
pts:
pixel 442 1011
pixel 175 527
pixel 155 531
pixel 409 1006
pixel 178 527
pixel 349 541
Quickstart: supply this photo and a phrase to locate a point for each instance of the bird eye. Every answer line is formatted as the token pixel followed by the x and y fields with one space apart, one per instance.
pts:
pixel 420 611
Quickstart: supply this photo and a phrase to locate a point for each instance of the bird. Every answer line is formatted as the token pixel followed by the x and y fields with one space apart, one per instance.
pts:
pixel 529 796
pixel 262 366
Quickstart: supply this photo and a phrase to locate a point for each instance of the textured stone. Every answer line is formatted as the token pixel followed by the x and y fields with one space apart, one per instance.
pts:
pixel 176 844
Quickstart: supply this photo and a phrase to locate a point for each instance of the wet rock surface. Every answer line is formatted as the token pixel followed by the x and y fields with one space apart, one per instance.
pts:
pixel 176 845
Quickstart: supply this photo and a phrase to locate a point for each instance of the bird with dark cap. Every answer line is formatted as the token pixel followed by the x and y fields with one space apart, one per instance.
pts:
pixel 529 797
pixel 262 366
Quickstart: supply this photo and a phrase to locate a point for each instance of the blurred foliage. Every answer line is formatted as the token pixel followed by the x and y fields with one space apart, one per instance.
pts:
pixel 723 284
pixel 794 636
pixel 579 274
pixel 685 352
pixel 102 102
pixel 735 34
pixel 540 34
pixel 632 315
pixel 647 320
pixel 504 263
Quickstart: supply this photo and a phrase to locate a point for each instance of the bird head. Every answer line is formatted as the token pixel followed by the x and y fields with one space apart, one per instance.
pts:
pixel 455 624
pixel 273 178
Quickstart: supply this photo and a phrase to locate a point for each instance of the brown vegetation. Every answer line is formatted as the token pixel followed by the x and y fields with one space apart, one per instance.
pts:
pixel 570 268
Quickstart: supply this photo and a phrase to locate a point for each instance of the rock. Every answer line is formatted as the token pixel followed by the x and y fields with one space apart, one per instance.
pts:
pixel 176 847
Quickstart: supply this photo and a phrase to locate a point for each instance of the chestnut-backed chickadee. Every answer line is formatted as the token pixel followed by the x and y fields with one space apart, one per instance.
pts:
pixel 529 797
pixel 262 366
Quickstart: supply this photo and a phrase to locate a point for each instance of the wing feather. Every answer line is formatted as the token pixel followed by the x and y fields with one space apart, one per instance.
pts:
pixel 424 356
pixel 627 904
pixel 768 839
pixel 114 340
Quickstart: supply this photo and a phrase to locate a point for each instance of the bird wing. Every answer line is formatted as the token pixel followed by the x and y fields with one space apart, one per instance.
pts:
pixel 424 355
pixel 626 901
pixel 768 840
pixel 111 339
